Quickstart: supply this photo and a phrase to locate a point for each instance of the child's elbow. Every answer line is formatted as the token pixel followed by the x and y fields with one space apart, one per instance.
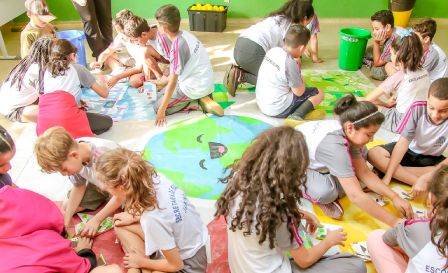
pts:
pixel 304 262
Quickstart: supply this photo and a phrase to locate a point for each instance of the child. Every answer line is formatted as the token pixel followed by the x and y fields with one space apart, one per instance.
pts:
pixel 110 56
pixel 191 74
pixel 64 74
pixel 329 179
pixel 160 229
pixel 31 237
pixel 39 25
pixel 7 152
pixel 384 34
pixel 252 45
pixel 261 205
pixel 57 151
pixel 314 28
pixel 141 34
pixel 411 82
pixel 434 59
pixel 281 91
pixel 423 139
pixel 424 241
pixel 19 93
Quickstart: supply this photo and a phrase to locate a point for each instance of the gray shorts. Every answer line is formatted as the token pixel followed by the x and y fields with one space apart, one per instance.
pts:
pixel 93 197
pixel 195 264
pixel 392 119
pixel 338 263
pixel 322 187
pixel 298 100
pixel 248 55
pixel 177 102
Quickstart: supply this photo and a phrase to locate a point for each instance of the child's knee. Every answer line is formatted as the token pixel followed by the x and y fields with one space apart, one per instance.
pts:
pixel 136 80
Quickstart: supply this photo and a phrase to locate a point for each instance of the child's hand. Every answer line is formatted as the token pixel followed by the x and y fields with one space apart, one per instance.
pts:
pixel 90 228
pixel 83 243
pixel 312 223
pixel 133 259
pixel 161 117
pixel 336 237
pixel 123 219
pixel 391 102
pixel 403 206
pixel 380 35
pixel 420 187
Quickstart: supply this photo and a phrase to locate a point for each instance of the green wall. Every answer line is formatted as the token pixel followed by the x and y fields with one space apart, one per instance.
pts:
pixel 64 9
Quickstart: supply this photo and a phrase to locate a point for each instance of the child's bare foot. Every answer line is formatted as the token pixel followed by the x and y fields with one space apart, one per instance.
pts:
pixel 317 60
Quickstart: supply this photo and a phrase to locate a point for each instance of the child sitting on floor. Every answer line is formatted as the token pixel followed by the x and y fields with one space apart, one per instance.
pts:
pixel 110 56
pixel 261 203
pixel 64 74
pixel 147 67
pixel 410 82
pixel 57 151
pixel 31 238
pixel 424 131
pixel 281 91
pixel 434 59
pixel 160 229
pixel 191 74
pixel 424 242
pixel 7 152
pixel 19 93
pixel 384 33
pixel 39 25
pixel 314 28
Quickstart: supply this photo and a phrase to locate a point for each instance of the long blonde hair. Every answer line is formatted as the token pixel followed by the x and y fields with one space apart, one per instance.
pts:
pixel 126 169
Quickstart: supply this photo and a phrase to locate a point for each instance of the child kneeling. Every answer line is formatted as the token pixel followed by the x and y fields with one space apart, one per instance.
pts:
pixel 281 90
pixel 160 230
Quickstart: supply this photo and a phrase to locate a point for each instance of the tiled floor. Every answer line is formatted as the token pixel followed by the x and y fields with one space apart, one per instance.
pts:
pixel 134 135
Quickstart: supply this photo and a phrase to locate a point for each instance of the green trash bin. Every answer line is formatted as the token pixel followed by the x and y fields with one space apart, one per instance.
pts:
pixel 353 47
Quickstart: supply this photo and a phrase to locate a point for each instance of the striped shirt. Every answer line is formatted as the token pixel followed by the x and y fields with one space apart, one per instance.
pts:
pixel 313 26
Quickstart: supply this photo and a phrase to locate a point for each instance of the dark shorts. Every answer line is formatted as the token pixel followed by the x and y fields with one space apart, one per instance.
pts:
pixel 297 101
pixel 195 264
pixel 411 159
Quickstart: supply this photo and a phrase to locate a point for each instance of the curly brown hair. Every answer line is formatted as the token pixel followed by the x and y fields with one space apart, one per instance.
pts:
pixel 269 179
pixel 439 222
pixel 127 169
pixel 59 60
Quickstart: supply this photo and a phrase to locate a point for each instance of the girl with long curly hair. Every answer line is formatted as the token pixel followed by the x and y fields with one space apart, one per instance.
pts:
pixel 423 241
pixel 158 221
pixel 261 205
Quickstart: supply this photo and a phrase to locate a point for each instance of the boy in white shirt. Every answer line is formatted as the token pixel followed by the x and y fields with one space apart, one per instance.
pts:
pixel 281 91
pixel 191 74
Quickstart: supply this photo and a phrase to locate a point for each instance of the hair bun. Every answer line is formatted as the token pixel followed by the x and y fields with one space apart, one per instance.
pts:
pixel 344 104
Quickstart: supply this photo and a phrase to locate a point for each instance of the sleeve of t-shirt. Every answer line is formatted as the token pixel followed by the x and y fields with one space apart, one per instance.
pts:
pixel 85 78
pixel 283 237
pixel 26 40
pixel 330 147
pixel 77 180
pixel 117 42
pixel 408 123
pixel 391 83
pixel 431 60
pixel 179 55
pixel 160 235
pixel 292 72
pixel 313 26
pixel 411 236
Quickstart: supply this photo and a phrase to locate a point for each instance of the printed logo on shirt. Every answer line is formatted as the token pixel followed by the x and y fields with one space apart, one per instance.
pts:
pixel 267 59
pixel 196 48
pixel 432 269
pixel 176 210
pixel 440 141
pixel 418 78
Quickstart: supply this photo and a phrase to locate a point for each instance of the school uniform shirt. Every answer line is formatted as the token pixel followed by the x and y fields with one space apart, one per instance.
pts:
pixel 268 33
pixel 385 54
pixel 426 137
pixel 189 60
pixel 414 238
pixel 175 223
pixel 278 73
pixel 30 34
pixel 120 43
pixel 248 256
pixel 313 26
pixel 410 86
pixel 12 98
pixel 87 174
pixel 161 44
pixel 326 141
pixel 435 62
pixel 75 77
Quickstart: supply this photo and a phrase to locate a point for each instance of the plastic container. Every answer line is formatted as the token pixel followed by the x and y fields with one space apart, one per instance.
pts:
pixel 402 10
pixel 77 38
pixel 352 48
pixel 207 20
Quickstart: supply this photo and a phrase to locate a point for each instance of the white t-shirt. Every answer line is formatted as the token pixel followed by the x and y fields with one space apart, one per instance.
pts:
pixel 134 50
pixel 87 173
pixel 11 98
pixel 174 224
pixel 435 62
pixel 410 86
pixel 248 256
pixel 76 76
pixel 426 137
pixel 189 60
pixel 268 33
pixel 278 73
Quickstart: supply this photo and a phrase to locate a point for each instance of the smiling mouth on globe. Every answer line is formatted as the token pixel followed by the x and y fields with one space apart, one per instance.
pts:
pixel 217 150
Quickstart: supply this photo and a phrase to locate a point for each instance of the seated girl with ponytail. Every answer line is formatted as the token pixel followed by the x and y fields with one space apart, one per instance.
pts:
pixel 337 165
pixel 63 74
pixel 7 152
